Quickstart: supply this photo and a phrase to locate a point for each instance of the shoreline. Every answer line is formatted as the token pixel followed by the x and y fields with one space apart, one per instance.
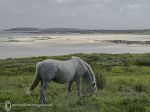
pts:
pixel 77 39
pixel 72 54
pixel 28 46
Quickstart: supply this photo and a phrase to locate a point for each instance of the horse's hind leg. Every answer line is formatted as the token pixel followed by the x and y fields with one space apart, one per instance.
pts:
pixel 42 92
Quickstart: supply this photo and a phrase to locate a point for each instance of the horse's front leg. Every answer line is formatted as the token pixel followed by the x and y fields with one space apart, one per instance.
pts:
pixel 69 89
pixel 78 86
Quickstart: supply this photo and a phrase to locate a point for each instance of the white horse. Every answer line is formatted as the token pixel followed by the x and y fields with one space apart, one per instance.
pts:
pixel 63 72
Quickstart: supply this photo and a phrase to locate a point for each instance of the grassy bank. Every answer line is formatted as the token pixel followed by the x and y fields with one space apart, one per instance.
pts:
pixel 123 82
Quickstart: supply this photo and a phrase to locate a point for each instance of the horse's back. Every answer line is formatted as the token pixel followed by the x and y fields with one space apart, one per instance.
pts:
pixel 61 71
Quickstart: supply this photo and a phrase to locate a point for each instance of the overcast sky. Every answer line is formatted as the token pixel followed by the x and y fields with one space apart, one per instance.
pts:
pixel 91 14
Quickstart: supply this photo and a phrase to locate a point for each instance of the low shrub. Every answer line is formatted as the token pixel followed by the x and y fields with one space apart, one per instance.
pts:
pixel 100 79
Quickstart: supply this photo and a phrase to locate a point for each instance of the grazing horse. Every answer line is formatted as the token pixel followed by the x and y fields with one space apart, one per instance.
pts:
pixel 63 72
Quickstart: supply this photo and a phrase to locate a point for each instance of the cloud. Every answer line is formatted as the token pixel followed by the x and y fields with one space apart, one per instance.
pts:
pixel 106 0
pixel 61 1
pixel 130 7
pixel 75 13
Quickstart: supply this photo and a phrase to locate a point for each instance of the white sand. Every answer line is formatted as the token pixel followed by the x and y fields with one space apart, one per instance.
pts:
pixel 26 46
pixel 76 39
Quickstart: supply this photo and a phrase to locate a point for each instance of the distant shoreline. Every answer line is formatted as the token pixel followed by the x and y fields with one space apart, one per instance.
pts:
pixel 76 31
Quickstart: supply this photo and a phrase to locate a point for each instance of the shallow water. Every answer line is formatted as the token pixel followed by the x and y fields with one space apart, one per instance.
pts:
pixel 15 50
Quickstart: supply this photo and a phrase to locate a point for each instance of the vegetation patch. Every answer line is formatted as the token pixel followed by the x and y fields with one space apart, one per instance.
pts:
pixel 122 79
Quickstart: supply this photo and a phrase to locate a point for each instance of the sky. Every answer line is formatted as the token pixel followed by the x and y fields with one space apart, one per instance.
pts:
pixel 84 14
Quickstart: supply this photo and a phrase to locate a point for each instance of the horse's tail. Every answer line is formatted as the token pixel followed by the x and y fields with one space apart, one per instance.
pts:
pixel 36 79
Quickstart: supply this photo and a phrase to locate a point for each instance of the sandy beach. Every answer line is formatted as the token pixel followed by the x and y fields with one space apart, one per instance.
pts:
pixel 39 45
pixel 74 39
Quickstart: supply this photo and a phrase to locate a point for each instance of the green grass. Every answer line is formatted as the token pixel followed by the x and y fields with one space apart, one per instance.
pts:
pixel 123 82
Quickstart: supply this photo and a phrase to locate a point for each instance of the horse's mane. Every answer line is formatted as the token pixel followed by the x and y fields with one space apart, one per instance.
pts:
pixel 87 65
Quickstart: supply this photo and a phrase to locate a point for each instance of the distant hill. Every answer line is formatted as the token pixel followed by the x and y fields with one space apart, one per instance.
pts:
pixel 22 29
pixel 75 30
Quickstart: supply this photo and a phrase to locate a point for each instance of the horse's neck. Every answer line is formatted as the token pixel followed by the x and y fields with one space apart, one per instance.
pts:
pixel 89 72
pixel 88 77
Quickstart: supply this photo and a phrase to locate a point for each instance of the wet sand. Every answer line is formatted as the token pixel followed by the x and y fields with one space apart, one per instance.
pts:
pixel 26 46
pixel 76 39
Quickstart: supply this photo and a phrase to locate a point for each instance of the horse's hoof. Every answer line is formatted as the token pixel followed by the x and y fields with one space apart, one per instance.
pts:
pixel 45 102
pixel 40 102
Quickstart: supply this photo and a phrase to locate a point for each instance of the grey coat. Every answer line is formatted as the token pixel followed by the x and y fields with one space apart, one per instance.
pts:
pixel 63 72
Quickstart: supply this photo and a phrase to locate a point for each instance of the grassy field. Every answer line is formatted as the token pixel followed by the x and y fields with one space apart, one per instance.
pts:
pixel 123 82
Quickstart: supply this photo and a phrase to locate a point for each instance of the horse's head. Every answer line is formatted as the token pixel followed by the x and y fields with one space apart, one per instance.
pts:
pixel 91 82
pixel 88 76
pixel 92 88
